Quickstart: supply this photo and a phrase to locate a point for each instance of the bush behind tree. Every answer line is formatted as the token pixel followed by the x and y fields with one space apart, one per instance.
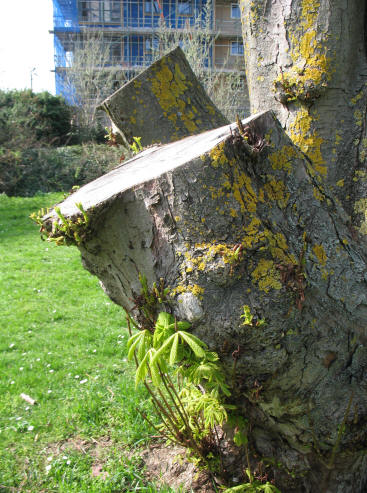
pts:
pixel 33 120
pixel 40 170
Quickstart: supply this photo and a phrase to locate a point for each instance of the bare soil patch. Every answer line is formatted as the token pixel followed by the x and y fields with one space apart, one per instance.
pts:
pixel 168 466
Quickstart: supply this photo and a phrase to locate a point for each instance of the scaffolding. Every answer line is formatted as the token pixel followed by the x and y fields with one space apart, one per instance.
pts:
pixel 133 29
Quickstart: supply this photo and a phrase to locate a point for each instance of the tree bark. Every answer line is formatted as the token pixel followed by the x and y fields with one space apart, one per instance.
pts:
pixel 273 219
pixel 179 213
pixel 306 60
pixel 164 103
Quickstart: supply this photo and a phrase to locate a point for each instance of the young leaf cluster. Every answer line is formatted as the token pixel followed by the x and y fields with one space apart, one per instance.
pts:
pixel 250 319
pixel 64 231
pixel 192 408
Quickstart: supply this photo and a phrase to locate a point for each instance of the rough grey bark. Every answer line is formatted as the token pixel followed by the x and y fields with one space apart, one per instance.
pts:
pixel 166 102
pixel 294 211
pixel 177 212
pixel 306 60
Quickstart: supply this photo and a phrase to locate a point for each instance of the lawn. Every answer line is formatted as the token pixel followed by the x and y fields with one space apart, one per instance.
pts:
pixel 63 343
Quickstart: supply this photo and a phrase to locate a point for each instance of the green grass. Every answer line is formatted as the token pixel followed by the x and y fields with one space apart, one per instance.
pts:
pixel 62 342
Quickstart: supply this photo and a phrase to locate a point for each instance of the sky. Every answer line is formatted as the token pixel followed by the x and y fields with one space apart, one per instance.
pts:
pixel 26 47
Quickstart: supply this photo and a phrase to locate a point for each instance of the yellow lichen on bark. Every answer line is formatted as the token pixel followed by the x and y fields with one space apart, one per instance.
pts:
pixel 360 207
pixel 304 135
pixel 282 159
pixel 276 191
pixel 266 276
pixel 169 88
pixel 306 80
pixel 311 68
pixel 320 254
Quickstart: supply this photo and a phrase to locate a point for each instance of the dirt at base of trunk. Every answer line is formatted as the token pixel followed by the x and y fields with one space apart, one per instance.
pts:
pixel 168 466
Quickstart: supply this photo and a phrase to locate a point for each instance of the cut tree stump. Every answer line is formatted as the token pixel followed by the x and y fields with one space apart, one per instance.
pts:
pixel 226 222
pixel 164 103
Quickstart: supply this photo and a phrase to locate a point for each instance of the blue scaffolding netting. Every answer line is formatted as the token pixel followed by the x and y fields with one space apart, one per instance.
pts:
pixel 128 25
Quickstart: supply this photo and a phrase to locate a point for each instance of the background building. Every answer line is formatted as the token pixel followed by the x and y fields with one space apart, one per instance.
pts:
pixel 132 32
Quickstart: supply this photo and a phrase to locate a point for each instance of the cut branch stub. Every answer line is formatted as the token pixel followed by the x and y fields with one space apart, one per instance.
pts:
pixel 164 103
pixel 231 222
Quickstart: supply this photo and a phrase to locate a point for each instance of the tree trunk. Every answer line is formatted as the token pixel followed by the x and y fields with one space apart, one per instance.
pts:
pixel 306 60
pixel 166 102
pixel 179 213
pixel 273 220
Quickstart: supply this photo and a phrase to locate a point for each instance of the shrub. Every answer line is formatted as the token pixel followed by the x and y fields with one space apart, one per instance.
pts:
pixel 33 120
pixel 30 171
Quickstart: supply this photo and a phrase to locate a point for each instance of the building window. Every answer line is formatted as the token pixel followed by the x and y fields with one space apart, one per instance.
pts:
pixel 184 7
pixel 152 7
pixel 100 11
pixel 84 11
pixel 237 48
pixel 235 11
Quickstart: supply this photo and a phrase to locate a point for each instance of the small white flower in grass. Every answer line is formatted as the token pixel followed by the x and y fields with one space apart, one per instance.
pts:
pixel 49 391
pixel 49 459
pixel 49 352
pixel 23 354
pixel 84 380
pixel 68 462
pixel 48 467
pixel 12 382
pixel 21 368
pixel 64 457
pixel 95 378
pixel 51 371
pixel 119 342
pixel 18 418
pixel 94 350
pixel 29 332
pixel 27 408
pixel 46 249
pixel 53 311
pixel 124 360
pixel 30 428
pixel 108 303
pixel 11 345
pixel 76 376
pixel 48 366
